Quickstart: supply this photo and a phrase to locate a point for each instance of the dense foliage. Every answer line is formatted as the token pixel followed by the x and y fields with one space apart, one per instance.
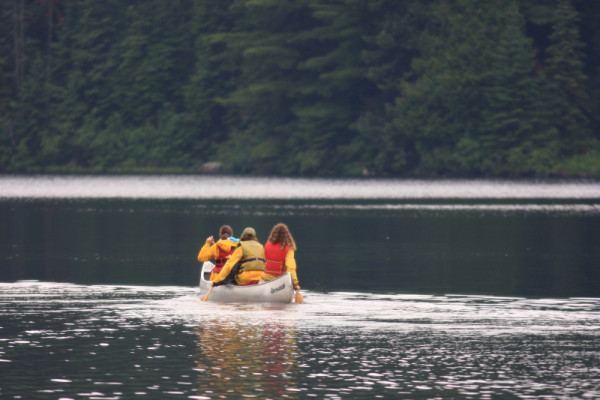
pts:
pixel 312 87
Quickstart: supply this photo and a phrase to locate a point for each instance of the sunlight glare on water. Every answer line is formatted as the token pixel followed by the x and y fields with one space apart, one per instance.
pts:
pixel 230 187
pixel 105 341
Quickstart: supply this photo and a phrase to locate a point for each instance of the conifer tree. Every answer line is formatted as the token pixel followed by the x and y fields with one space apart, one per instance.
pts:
pixel 589 11
pixel 84 76
pixel 565 80
pixel 514 137
pixel 441 102
pixel 214 78
pixel 155 61
pixel 25 112
pixel 259 106
pixel 335 89
pixel 391 48
pixel 461 87
pixel 155 58
pixel 7 140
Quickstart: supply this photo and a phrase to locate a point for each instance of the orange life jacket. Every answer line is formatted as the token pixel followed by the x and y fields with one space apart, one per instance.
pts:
pixel 275 258
pixel 222 259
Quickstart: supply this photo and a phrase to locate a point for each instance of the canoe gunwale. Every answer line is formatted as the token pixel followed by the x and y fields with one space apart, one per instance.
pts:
pixel 279 290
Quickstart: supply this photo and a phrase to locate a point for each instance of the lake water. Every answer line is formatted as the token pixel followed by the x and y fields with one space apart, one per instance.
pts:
pixel 413 289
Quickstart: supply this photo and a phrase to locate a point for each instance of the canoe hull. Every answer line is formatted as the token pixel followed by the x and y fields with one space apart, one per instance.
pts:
pixel 278 290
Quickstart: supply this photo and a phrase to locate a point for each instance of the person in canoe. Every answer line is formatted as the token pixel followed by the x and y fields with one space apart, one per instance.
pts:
pixel 279 253
pixel 219 251
pixel 247 263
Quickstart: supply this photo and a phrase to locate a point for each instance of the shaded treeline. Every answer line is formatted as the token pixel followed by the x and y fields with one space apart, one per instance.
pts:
pixel 312 87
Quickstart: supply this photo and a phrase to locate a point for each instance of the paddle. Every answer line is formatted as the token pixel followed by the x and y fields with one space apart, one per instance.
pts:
pixel 206 295
pixel 230 278
pixel 299 298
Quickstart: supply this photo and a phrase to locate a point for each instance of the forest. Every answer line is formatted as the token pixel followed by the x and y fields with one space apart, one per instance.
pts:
pixel 397 88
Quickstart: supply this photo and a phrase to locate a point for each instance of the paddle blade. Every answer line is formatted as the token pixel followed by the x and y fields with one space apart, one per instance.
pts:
pixel 206 295
pixel 299 298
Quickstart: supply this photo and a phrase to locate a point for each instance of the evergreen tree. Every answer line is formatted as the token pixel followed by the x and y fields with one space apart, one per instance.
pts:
pixel 514 137
pixel 32 118
pixel 334 89
pixel 155 62
pixel 392 47
pixel 569 106
pixel 259 107
pixel 566 93
pixel 155 58
pixel 6 67
pixel 119 76
pixel 7 139
pixel 24 91
pixel 442 102
pixel 85 74
pixel 214 77
pixel 589 12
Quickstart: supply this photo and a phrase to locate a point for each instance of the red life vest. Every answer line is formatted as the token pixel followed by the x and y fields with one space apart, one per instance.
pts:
pixel 222 259
pixel 275 258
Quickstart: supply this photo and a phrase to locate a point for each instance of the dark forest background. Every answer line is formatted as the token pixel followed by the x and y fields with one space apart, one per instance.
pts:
pixel 497 88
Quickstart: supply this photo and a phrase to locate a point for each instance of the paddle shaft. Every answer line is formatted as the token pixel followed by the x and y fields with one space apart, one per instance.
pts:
pixel 206 295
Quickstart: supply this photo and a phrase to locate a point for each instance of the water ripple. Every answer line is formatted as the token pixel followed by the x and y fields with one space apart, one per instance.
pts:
pixel 121 342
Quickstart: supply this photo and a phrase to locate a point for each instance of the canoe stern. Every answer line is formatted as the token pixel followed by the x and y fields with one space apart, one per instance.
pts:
pixel 278 290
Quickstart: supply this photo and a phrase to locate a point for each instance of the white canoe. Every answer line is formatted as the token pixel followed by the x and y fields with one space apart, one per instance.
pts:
pixel 279 290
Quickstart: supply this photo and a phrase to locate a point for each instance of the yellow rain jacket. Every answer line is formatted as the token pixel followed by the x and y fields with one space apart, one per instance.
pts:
pixel 208 252
pixel 252 270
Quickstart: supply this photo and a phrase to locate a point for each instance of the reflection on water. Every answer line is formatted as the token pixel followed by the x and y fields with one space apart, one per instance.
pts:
pixel 247 357
pixel 121 342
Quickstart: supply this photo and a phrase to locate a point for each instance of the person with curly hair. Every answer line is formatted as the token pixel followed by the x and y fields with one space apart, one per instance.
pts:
pixel 279 253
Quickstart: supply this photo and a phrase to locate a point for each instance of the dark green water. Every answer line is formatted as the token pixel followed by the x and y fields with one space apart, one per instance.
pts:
pixel 342 245
pixel 426 290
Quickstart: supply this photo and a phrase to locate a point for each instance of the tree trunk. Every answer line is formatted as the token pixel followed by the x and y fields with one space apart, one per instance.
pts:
pixel 50 26
pixel 19 44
